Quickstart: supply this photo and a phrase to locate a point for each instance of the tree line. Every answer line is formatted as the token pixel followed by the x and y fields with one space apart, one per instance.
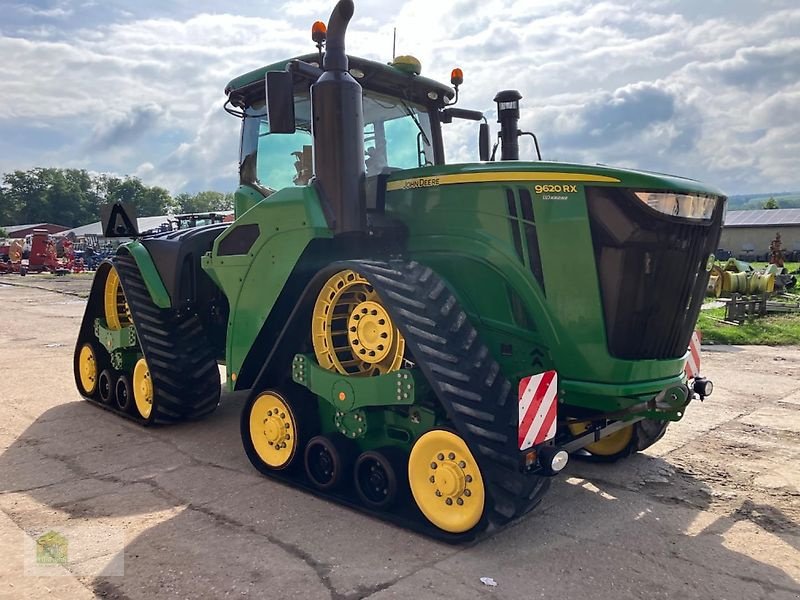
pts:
pixel 72 197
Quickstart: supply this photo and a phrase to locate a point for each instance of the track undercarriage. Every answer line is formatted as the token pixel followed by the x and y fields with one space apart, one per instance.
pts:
pixel 149 364
pixel 434 448
pixel 424 430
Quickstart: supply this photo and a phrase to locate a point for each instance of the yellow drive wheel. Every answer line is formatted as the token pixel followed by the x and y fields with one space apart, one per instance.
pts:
pixel 117 311
pixel 615 443
pixel 273 430
pixel 351 329
pixel 87 369
pixel 143 388
pixel 446 482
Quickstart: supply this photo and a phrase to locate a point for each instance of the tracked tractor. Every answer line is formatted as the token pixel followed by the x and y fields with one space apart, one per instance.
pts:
pixel 423 340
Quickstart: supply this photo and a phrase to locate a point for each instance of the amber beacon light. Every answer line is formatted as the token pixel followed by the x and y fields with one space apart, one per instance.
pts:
pixel 319 32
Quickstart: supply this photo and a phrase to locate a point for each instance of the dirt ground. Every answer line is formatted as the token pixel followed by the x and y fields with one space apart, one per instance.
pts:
pixel 710 512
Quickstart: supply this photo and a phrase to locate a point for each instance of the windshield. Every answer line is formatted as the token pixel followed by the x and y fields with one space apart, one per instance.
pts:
pixel 397 135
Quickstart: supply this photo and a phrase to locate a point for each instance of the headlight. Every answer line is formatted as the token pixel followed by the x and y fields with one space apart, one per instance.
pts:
pixel 688 206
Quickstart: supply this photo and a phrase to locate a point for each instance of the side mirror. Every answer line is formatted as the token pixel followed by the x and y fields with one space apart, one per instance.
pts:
pixel 483 141
pixel 280 102
pixel 448 114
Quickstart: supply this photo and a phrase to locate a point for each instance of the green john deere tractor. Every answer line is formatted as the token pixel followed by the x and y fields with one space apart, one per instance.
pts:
pixel 426 341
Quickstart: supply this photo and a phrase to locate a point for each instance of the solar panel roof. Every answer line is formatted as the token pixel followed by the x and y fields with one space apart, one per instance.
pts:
pixel 754 218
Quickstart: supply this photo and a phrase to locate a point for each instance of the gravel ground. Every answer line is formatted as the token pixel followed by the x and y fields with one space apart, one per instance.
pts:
pixel 711 511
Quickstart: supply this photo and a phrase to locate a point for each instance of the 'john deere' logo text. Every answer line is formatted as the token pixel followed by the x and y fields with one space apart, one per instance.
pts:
pixel 420 182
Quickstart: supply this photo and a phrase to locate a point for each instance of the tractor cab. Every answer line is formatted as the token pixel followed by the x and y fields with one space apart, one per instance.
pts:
pixel 402 117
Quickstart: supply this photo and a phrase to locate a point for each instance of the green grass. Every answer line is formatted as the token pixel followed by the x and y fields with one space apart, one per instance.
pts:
pixel 790 266
pixel 778 330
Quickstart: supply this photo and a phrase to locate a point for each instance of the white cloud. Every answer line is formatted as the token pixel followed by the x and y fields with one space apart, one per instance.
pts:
pixel 48 13
pixel 658 85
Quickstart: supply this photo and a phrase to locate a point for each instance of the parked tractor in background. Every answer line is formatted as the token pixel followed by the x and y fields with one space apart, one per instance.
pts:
pixel 410 339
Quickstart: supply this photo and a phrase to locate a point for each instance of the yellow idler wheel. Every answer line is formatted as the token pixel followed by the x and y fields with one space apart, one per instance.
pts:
pixel 351 329
pixel 87 369
pixel 117 311
pixel 273 430
pixel 615 443
pixel 143 389
pixel 446 482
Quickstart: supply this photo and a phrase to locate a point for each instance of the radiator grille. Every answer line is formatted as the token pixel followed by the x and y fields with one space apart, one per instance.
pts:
pixel 652 273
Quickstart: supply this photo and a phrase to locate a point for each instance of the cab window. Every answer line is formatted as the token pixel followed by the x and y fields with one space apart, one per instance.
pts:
pixel 397 135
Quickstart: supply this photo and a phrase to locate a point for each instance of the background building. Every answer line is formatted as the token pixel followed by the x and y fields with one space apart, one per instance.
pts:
pixel 154 224
pixel 748 233
pixel 20 231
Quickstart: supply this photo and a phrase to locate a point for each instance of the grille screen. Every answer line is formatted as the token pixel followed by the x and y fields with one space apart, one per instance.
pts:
pixel 652 273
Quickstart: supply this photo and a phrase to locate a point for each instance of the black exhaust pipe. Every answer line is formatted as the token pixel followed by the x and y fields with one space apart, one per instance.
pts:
pixel 508 117
pixel 338 129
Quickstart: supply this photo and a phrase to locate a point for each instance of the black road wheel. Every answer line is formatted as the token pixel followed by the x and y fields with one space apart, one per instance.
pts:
pixel 105 386
pixel 327 460
pixel 648 432
pixel 123 393
pixel 376 475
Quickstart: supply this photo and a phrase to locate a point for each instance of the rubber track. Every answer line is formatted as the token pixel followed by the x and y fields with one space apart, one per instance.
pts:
pixel 183 369
pixel 480 403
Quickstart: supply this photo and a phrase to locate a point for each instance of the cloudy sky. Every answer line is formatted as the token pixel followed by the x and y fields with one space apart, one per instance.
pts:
pixel 708 89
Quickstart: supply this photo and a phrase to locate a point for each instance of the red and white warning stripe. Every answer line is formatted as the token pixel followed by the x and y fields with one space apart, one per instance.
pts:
pixel 692 368
pixel 537 409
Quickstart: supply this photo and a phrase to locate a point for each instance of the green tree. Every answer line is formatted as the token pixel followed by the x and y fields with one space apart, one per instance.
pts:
pixel 154 201
pixel 6 210
pixel 184 203
pixel 27 193
pixel 72 197
pixel 771 203
pixel 3 233
pixel 208 201
pixel 65 196
pixel 149 201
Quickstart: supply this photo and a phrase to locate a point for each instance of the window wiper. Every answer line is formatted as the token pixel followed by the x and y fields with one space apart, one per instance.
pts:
pixel 411 114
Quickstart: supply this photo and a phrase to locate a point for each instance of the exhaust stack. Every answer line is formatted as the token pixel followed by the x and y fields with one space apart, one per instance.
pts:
pixel 338 130
pixel 508 117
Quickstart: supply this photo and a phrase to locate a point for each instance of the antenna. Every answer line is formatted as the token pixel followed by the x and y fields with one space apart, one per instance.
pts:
pixel 394 44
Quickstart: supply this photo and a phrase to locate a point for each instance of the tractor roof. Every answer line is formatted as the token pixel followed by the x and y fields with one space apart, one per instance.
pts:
pixel 379 77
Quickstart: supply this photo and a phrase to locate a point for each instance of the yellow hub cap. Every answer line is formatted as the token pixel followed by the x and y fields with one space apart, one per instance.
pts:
pixel 87 369
pixel 446 482
pixel 608 446
pixel 370 332
pixel 273 430
pixel 352 331
pixel 142 388
pixel 117 311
